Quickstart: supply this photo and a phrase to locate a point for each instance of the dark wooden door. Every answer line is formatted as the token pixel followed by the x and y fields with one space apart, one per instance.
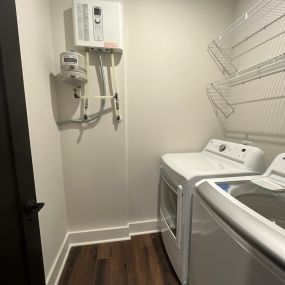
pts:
pixel 20 244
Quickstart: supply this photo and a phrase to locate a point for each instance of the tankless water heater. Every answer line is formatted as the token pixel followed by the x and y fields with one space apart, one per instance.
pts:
pixel 97 24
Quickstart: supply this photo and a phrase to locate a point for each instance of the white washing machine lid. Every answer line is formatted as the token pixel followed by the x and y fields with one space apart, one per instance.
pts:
pixel 253 205
pixel 189 166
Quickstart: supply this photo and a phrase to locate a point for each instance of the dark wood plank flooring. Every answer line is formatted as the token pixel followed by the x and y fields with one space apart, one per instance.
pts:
pixel 139 261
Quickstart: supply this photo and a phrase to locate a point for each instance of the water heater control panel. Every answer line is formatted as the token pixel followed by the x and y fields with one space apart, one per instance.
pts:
pixel 97 24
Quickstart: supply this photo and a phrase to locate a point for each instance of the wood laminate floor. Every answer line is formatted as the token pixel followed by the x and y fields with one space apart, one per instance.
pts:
pixel 139 261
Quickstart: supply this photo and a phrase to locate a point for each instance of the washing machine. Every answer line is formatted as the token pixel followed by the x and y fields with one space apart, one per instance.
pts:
pixel 178 174
pixel 238 229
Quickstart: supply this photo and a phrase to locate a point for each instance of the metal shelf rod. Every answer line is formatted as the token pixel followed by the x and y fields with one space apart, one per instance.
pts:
pixel 258 100
pixel 259 18
pixel 243 19
pixel 268 67
pixel 256 32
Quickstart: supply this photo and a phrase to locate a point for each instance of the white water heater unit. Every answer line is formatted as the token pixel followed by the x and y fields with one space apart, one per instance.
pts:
pixel 98 25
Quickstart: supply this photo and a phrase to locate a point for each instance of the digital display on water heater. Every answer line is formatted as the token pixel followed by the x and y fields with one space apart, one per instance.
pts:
pixel 97 11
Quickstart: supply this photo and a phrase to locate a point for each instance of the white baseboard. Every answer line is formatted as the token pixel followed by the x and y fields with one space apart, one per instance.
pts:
pixel 59 262
pixel 94 237
pixel 98 235
pixel 143 227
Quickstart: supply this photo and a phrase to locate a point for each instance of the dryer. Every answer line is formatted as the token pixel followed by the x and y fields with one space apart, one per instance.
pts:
pixel 238 229
pixel 178 174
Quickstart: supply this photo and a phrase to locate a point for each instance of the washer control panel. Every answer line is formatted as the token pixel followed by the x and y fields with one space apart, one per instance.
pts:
pixel 233 150
pixel 239 153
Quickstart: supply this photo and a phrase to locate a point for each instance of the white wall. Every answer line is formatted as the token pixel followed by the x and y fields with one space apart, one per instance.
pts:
pixel 167 69
pixel 111 175
pixel 94 159
pixel 37 61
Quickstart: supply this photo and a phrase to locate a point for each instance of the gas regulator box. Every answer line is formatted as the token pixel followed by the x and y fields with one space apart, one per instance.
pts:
pixel 97 24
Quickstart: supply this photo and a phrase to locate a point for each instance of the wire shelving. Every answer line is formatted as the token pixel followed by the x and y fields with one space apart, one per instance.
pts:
pixel 261 24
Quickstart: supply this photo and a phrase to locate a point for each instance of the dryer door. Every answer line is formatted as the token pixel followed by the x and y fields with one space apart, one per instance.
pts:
pixel 171 206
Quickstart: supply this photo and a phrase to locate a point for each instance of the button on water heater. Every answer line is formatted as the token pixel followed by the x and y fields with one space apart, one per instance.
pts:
pixel 222 147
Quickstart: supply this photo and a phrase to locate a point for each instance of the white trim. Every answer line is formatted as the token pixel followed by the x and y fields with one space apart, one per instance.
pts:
pixel 96 236
pixel 143 227
pixel 144 233
pixel 59 262
pixel 57 276
pixel 99 241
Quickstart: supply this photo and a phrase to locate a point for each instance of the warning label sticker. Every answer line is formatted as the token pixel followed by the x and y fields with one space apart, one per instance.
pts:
pixel 111 45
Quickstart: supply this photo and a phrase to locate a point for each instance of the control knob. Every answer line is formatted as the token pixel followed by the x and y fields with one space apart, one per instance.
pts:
pixel 222 147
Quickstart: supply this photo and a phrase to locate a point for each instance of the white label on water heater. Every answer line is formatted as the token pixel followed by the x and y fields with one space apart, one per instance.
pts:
pixel 98 23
